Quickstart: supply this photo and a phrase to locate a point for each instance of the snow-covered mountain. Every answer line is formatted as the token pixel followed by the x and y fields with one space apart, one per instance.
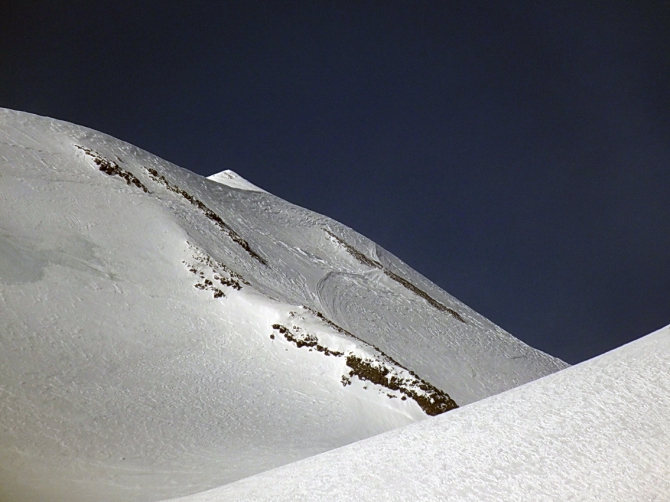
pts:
pixel 162 333
pixel 597 431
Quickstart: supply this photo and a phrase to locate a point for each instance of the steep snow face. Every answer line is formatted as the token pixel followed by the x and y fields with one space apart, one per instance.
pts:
pixel 597 431
pixel 162 333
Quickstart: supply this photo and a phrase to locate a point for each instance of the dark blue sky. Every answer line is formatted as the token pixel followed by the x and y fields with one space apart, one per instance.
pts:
pixel 516 153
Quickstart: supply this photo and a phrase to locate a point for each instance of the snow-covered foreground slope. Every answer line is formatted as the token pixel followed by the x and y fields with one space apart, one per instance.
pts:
pixel 597 431
pixel 162 333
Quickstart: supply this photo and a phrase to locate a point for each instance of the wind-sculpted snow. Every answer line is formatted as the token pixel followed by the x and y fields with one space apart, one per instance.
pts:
pixel 404 282
pixel 596 432
pixel 139 353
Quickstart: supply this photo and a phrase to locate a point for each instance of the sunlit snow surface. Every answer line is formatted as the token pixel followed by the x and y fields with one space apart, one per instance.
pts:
pixel 596 431
pixel 162 334
pixel 234 180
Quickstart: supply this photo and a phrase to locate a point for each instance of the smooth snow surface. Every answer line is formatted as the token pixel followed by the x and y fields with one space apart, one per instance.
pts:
pixel 596 431
pixel 162 334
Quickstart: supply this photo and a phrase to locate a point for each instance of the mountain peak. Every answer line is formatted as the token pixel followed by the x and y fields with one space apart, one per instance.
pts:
pixel 234 180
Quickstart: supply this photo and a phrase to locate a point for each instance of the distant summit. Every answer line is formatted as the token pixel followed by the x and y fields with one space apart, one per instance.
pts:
pixel 232 179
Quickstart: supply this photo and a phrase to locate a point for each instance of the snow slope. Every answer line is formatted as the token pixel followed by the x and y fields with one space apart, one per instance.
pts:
pixel 162 333
pixel 597 431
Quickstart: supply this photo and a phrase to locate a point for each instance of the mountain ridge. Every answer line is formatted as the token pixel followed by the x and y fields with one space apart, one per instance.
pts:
pixel 136 292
